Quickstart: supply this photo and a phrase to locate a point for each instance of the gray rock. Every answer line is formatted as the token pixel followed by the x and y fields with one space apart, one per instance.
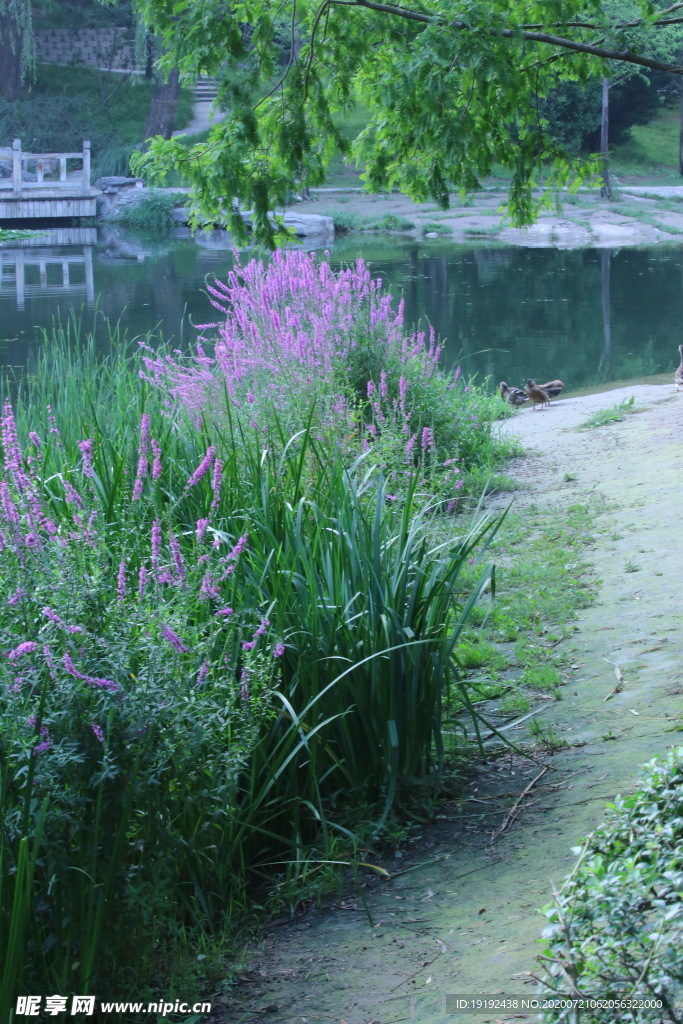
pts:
pixel 115 182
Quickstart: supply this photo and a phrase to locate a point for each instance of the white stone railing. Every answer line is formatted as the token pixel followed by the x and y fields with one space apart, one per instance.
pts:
pixel 19 159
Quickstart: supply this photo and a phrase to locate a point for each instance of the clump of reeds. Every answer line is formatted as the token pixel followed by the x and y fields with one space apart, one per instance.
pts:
pixel 225 638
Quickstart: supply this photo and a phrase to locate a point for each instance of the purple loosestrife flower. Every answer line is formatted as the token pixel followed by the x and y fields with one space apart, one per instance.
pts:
pixel 140 475
pixel 178 560
pixel 174 640
pixel 402 391
pixel 98 731
pixel 16 597
pixel 86 452
pixel 156 465
pixel 144 433
pixel 201 529
pixel 11 448
pixel 203 671
pixel 27 647
pixel 35 440
pixel 100 684
pixel 248 645
pixel 53 617
pixel 383 383
pixel 216 481
pixel 71 495
pixel 142 581
pixel 49 661
pixel 45 743
pixel 239 547
pixel 208 588
pixel 409 447
pixel 244 689
pixel 279 649
pixel 427 440
pixel 156 542
pixel 121 581
pixel 54 429
pixel 224 611
pixel 203 467
pixel 8 506
pixel 370 388
pixel 3 541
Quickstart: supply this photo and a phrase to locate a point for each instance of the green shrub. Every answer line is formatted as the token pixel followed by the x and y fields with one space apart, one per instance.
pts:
pixel 345 220
pixel 615 928
pixel 153 213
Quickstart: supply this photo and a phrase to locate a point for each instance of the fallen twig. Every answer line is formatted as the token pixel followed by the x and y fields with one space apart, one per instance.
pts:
pixel 513 810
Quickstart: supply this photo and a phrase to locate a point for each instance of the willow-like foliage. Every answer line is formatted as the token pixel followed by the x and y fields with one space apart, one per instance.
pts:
pixel 454 88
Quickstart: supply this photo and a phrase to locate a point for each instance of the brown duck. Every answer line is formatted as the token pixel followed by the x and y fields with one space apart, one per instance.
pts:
pixel 553 388
pixel 678 376
pixel 512 395
pixel 537 395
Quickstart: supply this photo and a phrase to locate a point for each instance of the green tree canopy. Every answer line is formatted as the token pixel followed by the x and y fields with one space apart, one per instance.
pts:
pixel 454 87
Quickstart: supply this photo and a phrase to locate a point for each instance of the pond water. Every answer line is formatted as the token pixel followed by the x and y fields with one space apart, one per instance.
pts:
pixel 588 316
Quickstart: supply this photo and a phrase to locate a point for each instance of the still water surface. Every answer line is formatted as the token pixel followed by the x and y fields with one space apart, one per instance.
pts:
pixel 588 316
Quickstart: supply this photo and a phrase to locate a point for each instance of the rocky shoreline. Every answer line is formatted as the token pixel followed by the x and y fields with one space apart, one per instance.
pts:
pixel 638 215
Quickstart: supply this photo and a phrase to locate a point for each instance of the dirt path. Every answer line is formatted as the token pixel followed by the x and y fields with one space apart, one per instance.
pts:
pixel 462 919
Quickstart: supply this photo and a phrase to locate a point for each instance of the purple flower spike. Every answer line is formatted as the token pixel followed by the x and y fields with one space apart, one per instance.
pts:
pixel 98 731
pixel 100 684
pixel 121 581
pixel 28 647
pixel 174 640
pixel 156 541
pixel 142 581
pixel 156 465
pixel 87 452
pixel 203 467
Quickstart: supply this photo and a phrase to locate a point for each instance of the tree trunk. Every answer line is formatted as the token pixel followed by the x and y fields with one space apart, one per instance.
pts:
pixel 680 130
pixel 605 260
pixel 162 109
pixel 11 79
pixel 606 190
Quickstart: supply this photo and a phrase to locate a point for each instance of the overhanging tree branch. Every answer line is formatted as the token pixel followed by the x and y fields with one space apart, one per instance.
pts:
pixel 591 49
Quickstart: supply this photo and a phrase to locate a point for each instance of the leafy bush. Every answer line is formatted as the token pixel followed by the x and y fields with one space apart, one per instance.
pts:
pixel 616 926
pixel 153 213
pixel 345 220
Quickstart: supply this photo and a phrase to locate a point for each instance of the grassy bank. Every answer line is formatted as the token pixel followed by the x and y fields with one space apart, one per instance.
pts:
pixel 229 631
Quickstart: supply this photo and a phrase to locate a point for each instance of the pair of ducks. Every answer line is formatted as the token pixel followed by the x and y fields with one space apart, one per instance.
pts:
pixel 538 394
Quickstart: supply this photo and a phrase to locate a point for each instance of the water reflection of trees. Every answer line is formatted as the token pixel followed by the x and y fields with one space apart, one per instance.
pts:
pixel 588 316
